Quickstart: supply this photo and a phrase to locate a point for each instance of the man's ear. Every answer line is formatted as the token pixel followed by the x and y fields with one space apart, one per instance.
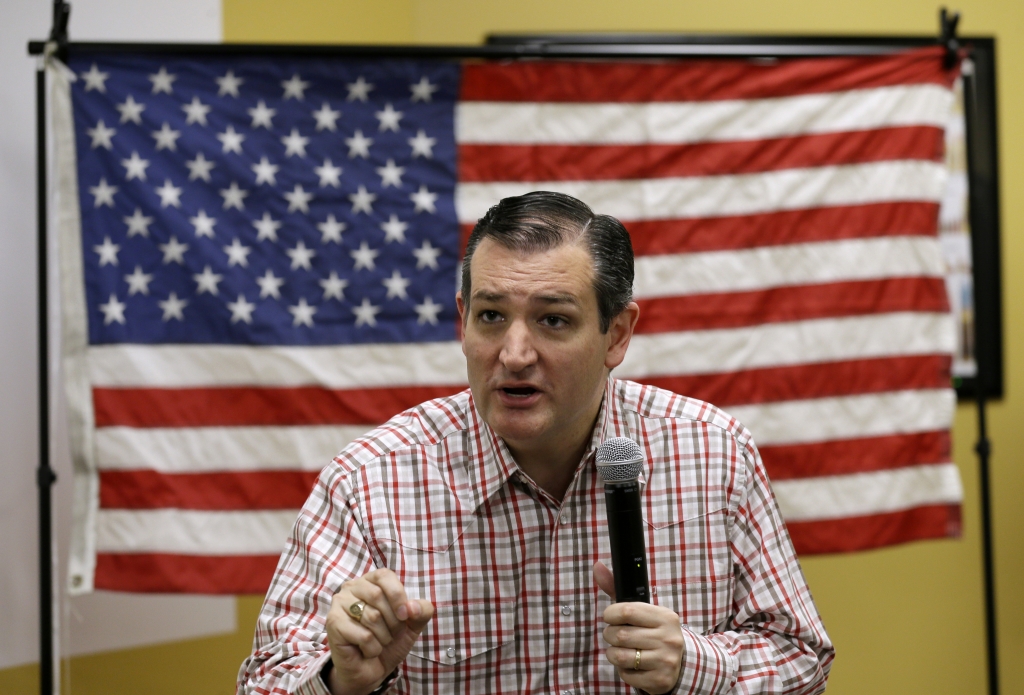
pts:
pixel 461 328
pixel 620 331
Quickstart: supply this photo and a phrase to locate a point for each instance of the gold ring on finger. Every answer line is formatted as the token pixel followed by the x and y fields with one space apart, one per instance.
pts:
pixel 356 610
pixel 636 661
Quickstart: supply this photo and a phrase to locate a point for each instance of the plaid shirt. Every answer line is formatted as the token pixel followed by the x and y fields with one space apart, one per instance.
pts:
pixel 435 495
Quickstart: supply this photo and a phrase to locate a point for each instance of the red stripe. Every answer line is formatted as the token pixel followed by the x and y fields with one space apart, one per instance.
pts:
pixel 866 532
pixel 804 381
pixel 696 80
pixel 801 302
pixel 866 455
pixel 623 162
pixel 234 406
pixel 654 237
pixel 220 491
pixel 192 574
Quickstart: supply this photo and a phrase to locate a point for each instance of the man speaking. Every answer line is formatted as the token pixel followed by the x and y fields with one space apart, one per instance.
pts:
pixel 462 547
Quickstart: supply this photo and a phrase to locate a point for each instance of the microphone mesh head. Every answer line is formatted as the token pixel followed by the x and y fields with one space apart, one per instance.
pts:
pixel 619 458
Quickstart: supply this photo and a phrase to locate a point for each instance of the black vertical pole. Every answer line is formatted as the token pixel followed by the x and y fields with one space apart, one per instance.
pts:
pixel 983 447
pixel 45 477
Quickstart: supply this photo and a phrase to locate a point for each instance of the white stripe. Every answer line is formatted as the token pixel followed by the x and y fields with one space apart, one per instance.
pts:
pixel 204 450
pixel 785 344
pixel 707 121
pixel 848 417
pixel 861 494
pixel 740 194
pixel 192 532
pixel 209 449
pixel 779 266
pixel 371 366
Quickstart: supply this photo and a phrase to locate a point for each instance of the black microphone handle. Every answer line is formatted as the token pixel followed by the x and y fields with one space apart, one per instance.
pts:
pixel 626 530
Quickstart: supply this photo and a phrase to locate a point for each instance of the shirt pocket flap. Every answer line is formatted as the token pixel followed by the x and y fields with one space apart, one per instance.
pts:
pixel 462 630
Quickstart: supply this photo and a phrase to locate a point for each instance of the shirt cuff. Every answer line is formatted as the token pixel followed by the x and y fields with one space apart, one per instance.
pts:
pixel 707 668
pixel 316 684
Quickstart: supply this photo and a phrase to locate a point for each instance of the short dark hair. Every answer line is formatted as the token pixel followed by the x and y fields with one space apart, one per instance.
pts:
pixel 543 220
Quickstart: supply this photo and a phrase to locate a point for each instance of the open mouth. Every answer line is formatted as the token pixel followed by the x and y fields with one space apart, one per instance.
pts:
pixel 520 391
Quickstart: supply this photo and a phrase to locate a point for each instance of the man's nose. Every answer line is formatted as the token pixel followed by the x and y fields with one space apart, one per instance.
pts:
pixel 517 350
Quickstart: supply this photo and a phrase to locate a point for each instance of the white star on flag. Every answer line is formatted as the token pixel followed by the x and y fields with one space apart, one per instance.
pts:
pixel 359 90
pixel 394 230
pixel 166 138
pixel 424 200
pixel 135 167
pixel 326 118
pixel 298 199
pixel 262 116
pixel 390 174
pixel 170 195
pixel 107 251
pixel 331 230
pixel 138 281
pixel 103 193
pixel 362 201
pixel 207 280
pixel 131 110
pixel 302 313
pixel 95 79
pixel 334 286
pixel 294 143
pixel 422 146
pixel 228 84
pixel 203 224
pixel 358 145
pixel 270 285
pixel 231 141
pixel 241 310
pixel 199 168
pixel 162 81
pixel 238 254
pixel 174 251
pixel 113 310
pixel 101 135
pixel 233 196
pixel 397 285
pixel 266 227
pixel 294 88
pixel 426 256
pixel 265 172
pixel 196 112
pixel 428 311
pixel 364 257
pixel 366 313
pixel 138 223
pixel 301 256
pixel 389 118
pixel 329 174
pixel 423 90
pixel 172 307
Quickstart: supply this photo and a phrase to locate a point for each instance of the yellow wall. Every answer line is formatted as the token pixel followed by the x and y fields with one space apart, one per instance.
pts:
pixel 905 620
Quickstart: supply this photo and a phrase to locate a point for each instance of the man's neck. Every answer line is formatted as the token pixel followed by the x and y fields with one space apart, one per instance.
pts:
pixel 552 468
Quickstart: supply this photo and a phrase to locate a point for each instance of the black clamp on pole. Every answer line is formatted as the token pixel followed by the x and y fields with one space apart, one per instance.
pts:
pixel 59 31
pixel 948 39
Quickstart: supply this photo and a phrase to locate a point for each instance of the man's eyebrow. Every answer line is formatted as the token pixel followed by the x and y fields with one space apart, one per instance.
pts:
pixel 560 298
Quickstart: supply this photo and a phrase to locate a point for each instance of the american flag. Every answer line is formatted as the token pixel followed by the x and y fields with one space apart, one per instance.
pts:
pixel 260 256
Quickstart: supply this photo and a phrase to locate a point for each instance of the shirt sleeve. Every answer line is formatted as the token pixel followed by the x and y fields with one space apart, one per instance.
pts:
pixel 326 548
pixel 775 642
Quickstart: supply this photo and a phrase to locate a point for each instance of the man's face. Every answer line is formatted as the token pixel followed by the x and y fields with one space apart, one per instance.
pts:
pixel 536 357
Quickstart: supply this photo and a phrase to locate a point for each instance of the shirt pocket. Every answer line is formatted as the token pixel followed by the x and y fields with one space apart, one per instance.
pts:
pixel 464 632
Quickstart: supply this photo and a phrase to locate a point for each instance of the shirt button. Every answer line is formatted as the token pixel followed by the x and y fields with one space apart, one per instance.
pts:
pixel 565 519
pixel 451 652
pixel 566 692
pixel 566 610
pixel 654 591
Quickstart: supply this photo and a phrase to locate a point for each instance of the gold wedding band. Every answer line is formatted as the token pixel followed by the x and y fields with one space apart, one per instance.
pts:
pixel 636 661
pixel 356 610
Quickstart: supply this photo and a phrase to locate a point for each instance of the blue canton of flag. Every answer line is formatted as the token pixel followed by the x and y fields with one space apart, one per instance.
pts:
pixel 267 201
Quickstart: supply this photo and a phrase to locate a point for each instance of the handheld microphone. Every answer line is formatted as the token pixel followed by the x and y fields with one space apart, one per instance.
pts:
pixel 619 462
